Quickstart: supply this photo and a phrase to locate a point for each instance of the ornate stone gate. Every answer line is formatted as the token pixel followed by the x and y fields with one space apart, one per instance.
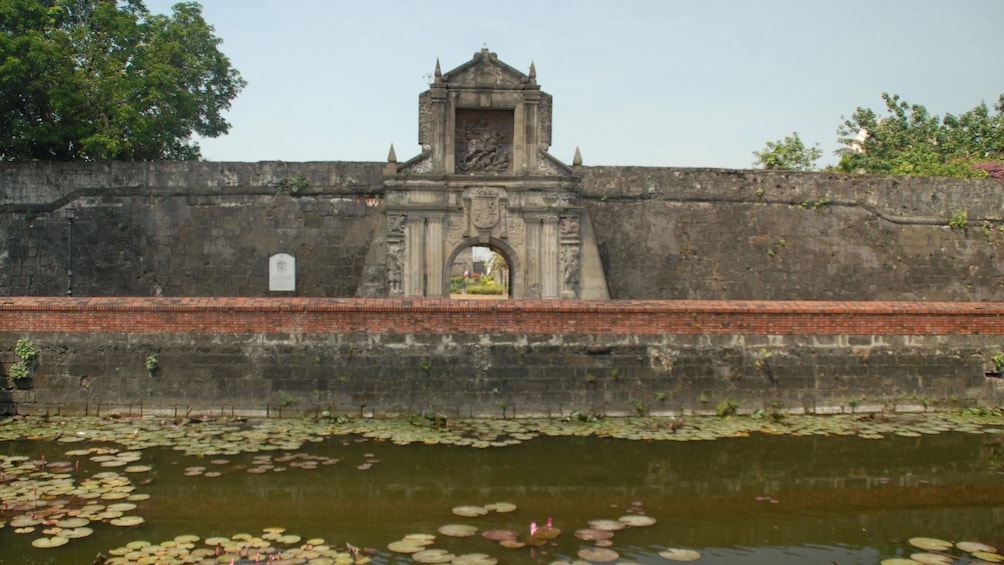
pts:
pixel 484 178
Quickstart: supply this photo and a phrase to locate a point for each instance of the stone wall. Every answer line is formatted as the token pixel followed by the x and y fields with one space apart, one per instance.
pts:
pixel 182 228
pixel 517 358
pixel 715 234
pixel 207 229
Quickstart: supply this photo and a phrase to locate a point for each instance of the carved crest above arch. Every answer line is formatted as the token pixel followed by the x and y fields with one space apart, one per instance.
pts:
pixel 484 209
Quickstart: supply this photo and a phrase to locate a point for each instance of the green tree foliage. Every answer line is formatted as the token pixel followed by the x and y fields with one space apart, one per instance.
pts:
pixel 908 140
pixel 106 79
pixel 788 154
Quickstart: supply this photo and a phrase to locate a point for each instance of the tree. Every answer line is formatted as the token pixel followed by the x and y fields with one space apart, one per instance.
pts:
pixel 106 79
pixel 908 140
pixel 789 154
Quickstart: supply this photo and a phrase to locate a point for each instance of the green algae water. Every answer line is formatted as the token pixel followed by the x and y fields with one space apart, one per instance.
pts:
pixel 761 498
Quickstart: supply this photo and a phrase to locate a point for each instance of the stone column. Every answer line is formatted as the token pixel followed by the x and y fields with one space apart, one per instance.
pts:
pixel 434 257
pixel 414 271
pixel 549 264
pixel 532 264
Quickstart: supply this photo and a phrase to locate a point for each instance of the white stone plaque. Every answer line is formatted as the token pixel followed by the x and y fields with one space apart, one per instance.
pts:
pixel 282 273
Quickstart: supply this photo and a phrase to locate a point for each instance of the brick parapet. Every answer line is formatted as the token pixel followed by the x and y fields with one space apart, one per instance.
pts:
pixel 206 315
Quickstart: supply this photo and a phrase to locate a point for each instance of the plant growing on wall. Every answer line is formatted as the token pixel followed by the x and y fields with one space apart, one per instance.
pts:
pixel 960 220
pixel 998 361
pixel 152 364
pixel 26 353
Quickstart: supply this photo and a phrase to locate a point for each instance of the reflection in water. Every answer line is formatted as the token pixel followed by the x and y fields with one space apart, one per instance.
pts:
pixel 762 499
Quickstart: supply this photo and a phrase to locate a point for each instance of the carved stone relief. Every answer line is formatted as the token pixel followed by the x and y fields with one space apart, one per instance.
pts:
pixel 484 208
pixel 516 232
pixel 395 225
pixel 454 230
pixel 425 118
pixel 395 261
pixel 484 141
pixel 570 268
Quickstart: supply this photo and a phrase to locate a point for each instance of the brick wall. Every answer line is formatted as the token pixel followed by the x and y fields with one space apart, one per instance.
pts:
pixel 391 356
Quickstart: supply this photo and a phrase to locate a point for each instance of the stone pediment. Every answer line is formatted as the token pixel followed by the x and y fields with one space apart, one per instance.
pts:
pixel 484 118
pixel 485 70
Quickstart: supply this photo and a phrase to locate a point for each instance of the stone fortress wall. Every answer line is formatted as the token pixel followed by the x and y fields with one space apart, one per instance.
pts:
pixel 207 229
pixel 683 251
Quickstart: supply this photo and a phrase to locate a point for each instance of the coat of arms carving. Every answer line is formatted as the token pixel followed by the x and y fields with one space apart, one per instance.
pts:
pixel 484 209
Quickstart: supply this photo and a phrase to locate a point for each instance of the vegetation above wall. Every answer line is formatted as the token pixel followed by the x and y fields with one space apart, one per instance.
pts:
pixel 97 80
pixel 907 140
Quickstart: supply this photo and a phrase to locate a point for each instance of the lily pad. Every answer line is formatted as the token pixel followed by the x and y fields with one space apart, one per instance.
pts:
pixel 458 530
pixel 988 556
pixel 127 521
pixel 678 554
pixel 593 534
pixel 930 544
pixel 501 507
pixel 76 533
pixel 609 525
pixel 45 543
pixel 637 520
pixel 433 556
pixel 499 535
pixel 932 558
pixel 475 559
pixel 973 546
pixel 599 555
pixel 470 511
pixel 402 546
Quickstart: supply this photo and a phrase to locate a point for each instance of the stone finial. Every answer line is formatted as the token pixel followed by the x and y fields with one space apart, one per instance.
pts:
pixel 392 156
pixel 577 160
pixel 533 71
pixel 439 71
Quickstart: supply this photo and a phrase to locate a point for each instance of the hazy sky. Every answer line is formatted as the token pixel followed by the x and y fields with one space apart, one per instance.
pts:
pixel 681 83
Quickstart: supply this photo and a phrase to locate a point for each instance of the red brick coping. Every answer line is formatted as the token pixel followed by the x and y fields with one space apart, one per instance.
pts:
pixel 445 316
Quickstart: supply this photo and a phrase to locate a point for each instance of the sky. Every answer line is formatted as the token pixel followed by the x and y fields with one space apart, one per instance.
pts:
pixel 663 83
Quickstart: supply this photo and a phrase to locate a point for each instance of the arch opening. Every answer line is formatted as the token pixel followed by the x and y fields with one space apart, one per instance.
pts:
pixel 480 271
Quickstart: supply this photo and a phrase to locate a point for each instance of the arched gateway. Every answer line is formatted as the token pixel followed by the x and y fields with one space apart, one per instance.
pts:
pixel 484 178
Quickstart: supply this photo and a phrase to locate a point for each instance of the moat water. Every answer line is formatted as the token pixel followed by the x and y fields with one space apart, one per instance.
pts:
pixel 759 499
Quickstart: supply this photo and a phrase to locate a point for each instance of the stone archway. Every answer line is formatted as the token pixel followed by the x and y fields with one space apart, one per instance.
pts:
pixel 484 177
pixel 515 285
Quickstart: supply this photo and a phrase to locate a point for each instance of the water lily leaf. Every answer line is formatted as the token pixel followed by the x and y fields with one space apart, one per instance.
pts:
pixel 475 559
pixel 54 541
pixel 433 556
pixel 470 511
pixel 127 521
pixel 678 554
pixel 499 535
pixel 72 522
pixel 898 561
pixel 599 555
pixel 932 558
pixel 75 533
pixel 402 546
pixel 547 533
pixel 610 525
pixel 501 507
pixel 972 546
pixel 593 534
pixel 930 544
pixel 637 520
pixel 458 530
pixel 988 556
